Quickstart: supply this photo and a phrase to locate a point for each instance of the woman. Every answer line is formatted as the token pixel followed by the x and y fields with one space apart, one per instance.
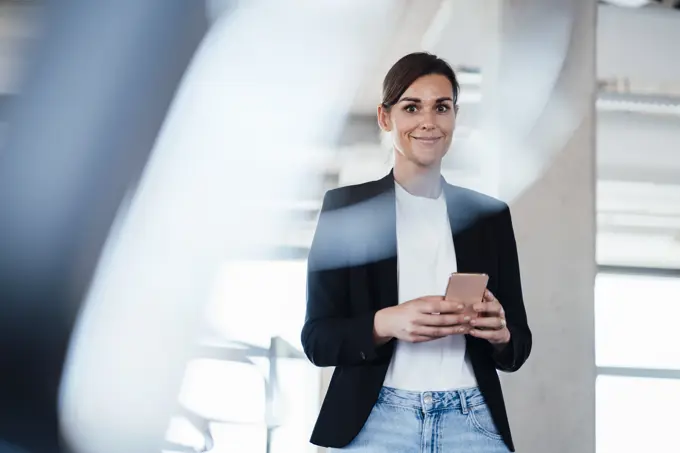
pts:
pixel 412 372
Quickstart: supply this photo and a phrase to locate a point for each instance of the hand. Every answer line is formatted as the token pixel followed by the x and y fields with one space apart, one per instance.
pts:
pixel 490 324
pixel 423 319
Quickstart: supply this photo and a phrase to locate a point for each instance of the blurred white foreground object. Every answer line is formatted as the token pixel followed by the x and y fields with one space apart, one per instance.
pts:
pixel 269 83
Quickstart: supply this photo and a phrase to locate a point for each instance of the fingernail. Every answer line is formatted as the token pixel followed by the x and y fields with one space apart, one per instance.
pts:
pixel 461 329
pixel 473 322
pixel 460 307
pixel 467 318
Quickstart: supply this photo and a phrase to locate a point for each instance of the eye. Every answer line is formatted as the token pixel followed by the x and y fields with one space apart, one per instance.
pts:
pixel 411 108
pixel 443 108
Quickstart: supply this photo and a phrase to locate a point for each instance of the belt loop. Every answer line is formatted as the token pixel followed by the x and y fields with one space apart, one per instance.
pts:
pixel 463 401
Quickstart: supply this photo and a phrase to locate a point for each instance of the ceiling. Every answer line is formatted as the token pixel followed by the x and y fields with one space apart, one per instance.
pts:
pixel 638 121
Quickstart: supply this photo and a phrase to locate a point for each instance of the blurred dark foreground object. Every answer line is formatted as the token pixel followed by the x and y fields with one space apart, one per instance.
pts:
pixel 99 85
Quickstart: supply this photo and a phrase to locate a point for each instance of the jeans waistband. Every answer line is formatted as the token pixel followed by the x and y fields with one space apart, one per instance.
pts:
pixel 461 400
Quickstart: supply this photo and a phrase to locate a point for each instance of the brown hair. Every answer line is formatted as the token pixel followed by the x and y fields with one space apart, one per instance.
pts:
pixel 410 68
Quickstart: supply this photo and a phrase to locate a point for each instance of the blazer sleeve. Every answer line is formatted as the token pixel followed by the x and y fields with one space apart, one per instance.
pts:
pixel 515 353
pixel 330 336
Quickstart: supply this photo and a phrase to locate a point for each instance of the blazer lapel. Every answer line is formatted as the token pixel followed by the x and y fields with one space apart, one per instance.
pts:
pixel 462 221
pixel 382 242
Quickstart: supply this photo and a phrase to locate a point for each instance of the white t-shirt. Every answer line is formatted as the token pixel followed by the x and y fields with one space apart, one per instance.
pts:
pixel 426 257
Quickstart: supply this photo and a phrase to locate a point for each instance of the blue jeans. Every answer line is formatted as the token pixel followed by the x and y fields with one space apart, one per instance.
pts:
pixel 428 422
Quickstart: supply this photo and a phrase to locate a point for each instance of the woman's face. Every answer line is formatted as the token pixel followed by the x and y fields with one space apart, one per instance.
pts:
pixel 422 121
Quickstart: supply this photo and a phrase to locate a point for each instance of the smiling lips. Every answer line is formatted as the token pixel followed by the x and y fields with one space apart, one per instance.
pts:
pixel 429 140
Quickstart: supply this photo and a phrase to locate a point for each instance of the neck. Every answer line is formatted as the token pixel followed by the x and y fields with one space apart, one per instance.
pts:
pixel 418 180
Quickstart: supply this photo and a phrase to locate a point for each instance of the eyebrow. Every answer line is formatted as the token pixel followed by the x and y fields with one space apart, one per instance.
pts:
pixel 418 101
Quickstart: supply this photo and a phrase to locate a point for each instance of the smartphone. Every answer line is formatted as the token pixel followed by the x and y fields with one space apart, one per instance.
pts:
pixel 468 288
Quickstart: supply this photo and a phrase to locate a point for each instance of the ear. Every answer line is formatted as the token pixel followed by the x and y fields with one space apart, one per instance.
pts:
pixel 384 118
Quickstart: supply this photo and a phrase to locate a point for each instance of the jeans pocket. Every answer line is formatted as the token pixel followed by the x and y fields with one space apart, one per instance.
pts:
pixel 480 419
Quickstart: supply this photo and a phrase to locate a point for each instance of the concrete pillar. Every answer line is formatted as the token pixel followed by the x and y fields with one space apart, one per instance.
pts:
pixel 539 93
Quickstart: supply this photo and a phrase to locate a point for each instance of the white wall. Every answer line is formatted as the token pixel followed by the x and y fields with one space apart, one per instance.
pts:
pixel 640 44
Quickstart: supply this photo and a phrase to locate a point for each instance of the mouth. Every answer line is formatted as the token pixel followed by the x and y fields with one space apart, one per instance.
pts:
pixel 427 140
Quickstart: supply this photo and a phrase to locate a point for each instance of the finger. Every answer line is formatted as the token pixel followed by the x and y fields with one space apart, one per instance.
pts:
pixel 488 296
pixel 429 304
pixel 439 332
pixel 442 320
pixel 491 335
pixel 456 300
pixel 446 306
pixel 488 323
pixel 489 308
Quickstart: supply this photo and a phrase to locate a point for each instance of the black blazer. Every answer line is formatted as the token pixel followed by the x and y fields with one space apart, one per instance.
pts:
pixel 352 273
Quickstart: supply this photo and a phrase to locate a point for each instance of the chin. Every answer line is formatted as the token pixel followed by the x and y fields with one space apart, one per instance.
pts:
pixel 428 158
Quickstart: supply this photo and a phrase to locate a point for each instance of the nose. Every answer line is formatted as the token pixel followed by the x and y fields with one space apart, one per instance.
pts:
pixel 428 122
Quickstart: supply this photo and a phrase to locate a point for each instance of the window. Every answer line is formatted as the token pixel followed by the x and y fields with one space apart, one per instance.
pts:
pixel 636 414
pixel 635 316
pixel 638 362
